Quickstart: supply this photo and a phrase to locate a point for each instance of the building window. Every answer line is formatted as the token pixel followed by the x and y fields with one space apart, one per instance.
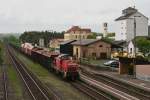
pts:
pixel 83 37
pixel 76 36
pixel 130 50
pixel 100 46
pixel 77 52
pixel 84 54
pixel 93 54
pixel 103 55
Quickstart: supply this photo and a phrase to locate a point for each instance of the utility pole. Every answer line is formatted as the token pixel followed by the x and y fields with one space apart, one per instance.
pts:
pixel 133 3
pixel 134 59
pixel 80 48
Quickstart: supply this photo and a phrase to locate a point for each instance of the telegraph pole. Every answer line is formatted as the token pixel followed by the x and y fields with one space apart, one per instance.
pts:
pixel 135 26
pixel 133 3
pixel 80 48
pixel 134 67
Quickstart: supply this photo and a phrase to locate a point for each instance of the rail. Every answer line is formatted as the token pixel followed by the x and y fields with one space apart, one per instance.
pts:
pixel 118 85
pixel 92 91
pixel 5 96
pixel 35 87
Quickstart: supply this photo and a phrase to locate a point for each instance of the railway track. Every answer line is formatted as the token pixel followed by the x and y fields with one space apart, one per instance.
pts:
pixel 91 91
pixel 5 93
pixel 119 86
pixel 37 90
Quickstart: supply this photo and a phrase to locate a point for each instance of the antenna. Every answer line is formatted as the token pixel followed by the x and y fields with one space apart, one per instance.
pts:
pixel 134 4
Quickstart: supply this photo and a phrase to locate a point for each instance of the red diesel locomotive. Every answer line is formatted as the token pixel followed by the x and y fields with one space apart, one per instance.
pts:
pixel 66 66
pixel 62 64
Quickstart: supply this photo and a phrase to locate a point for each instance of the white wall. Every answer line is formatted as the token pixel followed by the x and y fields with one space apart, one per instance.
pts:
pixel 121 32
pixel 126 27
pixel 131 49
pixel 141 26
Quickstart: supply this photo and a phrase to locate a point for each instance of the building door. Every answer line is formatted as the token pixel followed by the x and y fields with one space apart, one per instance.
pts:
pixel 103 55
pixel 77 53
pixel 84 54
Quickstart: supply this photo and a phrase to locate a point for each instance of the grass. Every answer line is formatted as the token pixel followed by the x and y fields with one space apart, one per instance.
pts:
pixel 15 82
pixel 65 89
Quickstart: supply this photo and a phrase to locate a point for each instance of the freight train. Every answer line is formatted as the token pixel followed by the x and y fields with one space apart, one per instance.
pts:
pixel 55 62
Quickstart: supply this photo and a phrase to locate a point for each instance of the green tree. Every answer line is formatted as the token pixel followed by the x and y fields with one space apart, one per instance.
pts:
pixel 143 45
pixel 14 40
pixel 34 36
pixel 110 34
pixel 108 39
pixel 1 60
pixel 93 36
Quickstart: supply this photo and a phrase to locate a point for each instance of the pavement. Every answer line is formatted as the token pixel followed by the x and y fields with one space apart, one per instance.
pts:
pixel 125 78
pixel 129 79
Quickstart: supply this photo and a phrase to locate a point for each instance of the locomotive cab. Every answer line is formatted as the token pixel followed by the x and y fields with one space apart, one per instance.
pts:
pixel 66 65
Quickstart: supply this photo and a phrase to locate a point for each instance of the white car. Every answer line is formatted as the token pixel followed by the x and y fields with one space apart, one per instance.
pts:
pixel 110 62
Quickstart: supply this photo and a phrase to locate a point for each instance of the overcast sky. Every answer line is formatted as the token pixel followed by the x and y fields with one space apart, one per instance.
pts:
pixel 59 15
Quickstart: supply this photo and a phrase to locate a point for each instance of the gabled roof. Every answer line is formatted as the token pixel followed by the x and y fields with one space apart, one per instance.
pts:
pixel 77 28
pixel 121 43
pixel 124 16
pixel 129 12
pixel 85 42
pixel 67 42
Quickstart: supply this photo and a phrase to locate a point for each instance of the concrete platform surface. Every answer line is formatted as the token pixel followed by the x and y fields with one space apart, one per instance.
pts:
pixel 128 79
pixel 125 78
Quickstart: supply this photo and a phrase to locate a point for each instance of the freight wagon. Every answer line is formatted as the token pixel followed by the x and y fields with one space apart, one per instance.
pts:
pixel 59 63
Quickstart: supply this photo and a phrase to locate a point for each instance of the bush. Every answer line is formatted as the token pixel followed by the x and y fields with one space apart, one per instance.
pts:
pixel 142 60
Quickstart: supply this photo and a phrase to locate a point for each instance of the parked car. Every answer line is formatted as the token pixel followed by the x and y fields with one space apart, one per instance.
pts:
pixel 112 63
pixel 115 64
pixel 108 63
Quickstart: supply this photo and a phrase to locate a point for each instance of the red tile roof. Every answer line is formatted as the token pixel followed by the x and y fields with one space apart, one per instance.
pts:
pixel 77 28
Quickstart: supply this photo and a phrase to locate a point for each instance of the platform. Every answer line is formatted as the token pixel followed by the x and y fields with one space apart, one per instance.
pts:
pixel 125 78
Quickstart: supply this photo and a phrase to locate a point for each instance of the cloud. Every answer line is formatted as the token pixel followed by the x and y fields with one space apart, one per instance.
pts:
pixel 21 15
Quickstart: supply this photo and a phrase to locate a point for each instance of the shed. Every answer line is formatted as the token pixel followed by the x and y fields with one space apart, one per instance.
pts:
pixel 95 48
pixel 66 47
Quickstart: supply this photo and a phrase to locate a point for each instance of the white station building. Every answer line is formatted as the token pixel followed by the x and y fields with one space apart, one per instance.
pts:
pixel 125 25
